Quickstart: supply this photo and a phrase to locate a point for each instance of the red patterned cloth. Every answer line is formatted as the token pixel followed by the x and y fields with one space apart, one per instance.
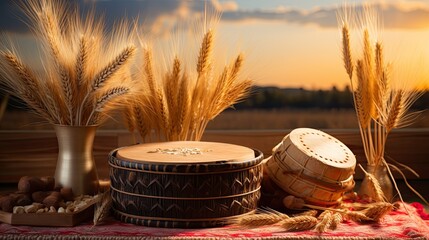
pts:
pixel 397 225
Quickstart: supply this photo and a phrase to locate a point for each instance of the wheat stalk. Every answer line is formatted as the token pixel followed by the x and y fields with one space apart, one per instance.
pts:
pixel 299 223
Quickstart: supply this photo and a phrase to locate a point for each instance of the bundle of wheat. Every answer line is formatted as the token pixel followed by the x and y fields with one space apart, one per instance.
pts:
pixel 180 102
pixel 84 73
pixel 380 107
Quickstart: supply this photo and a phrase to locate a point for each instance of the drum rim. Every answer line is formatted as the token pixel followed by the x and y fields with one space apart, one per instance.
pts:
pixel 211 167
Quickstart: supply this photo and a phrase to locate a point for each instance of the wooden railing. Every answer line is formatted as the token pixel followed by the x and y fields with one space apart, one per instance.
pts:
pixel 34 153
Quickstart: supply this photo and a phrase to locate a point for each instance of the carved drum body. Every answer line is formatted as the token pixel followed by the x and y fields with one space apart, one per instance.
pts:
pixel 312 165
pixel 184 184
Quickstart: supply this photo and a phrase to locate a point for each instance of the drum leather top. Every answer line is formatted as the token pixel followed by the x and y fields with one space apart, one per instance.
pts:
pixel 323 147
pixel 185 152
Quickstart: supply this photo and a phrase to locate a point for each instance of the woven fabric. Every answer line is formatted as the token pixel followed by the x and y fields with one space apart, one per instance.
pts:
pixel 397 225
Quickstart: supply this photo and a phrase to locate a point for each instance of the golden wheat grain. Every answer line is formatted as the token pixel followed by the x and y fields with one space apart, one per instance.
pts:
pixel 148 68
pixel 108 96
pixel 362 97
pixel 325 221
pixel 205 53
pixel 236 67
pixel 376 192
pixel 112 67
pixel 163 111
pixel 102 208
pixel 81 61
pixel 172 89
pixel 356 216
pixel 183 103
pixel 337 218
pixel 347 55
pixel 260 219
pixel 377 211
pixel 52 34
pixel 68 90
pixel 30 87
pixel 394 114
pixel 141 123
pixel 299 223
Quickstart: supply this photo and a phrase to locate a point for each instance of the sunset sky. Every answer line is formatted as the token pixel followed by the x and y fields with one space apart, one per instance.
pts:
pixel 287 43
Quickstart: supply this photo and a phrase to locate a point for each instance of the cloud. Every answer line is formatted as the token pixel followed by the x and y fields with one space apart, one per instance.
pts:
pixel 393 15
pixel 161 16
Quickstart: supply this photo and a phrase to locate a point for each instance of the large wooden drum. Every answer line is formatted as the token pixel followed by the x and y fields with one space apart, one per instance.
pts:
pixel 184 184
pixel 312 165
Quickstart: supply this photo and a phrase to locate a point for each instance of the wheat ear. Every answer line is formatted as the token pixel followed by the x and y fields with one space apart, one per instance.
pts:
pixel 143 125
pixel 183 105
pixel 30 84
pixel 395 109
pixel 112 67
pixel 347 55
pixel 106 98
pixel 337 218
pixel 261 219
pixel 203 62
pixel 163 112
pixel 68 90
pixel 376 211
pixel 371 85
pixel 81 61
pixel 52 34
pixel 362 97
pixel 374 186
pixel 356 216
pixel 236 67
pixel 148 69
pixel 102 208
pixel 299 223
pixel 102 77
pixel 325 221
pixel 172 89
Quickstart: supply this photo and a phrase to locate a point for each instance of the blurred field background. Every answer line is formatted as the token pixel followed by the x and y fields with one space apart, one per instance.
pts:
pixel 266 108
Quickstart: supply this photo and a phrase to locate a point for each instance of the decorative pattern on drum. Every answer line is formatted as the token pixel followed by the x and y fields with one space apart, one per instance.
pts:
pixel 312 165
pixel 202 190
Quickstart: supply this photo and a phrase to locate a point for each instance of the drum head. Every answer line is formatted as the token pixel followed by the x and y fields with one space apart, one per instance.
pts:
pixel 190 152
pixel 323 147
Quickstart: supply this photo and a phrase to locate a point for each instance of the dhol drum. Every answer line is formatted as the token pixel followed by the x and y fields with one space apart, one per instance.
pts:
pixel 312 165
pixel 184 184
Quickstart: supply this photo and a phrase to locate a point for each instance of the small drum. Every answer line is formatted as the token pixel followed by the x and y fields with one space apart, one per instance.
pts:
pixel 312 165
pixel 184 184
